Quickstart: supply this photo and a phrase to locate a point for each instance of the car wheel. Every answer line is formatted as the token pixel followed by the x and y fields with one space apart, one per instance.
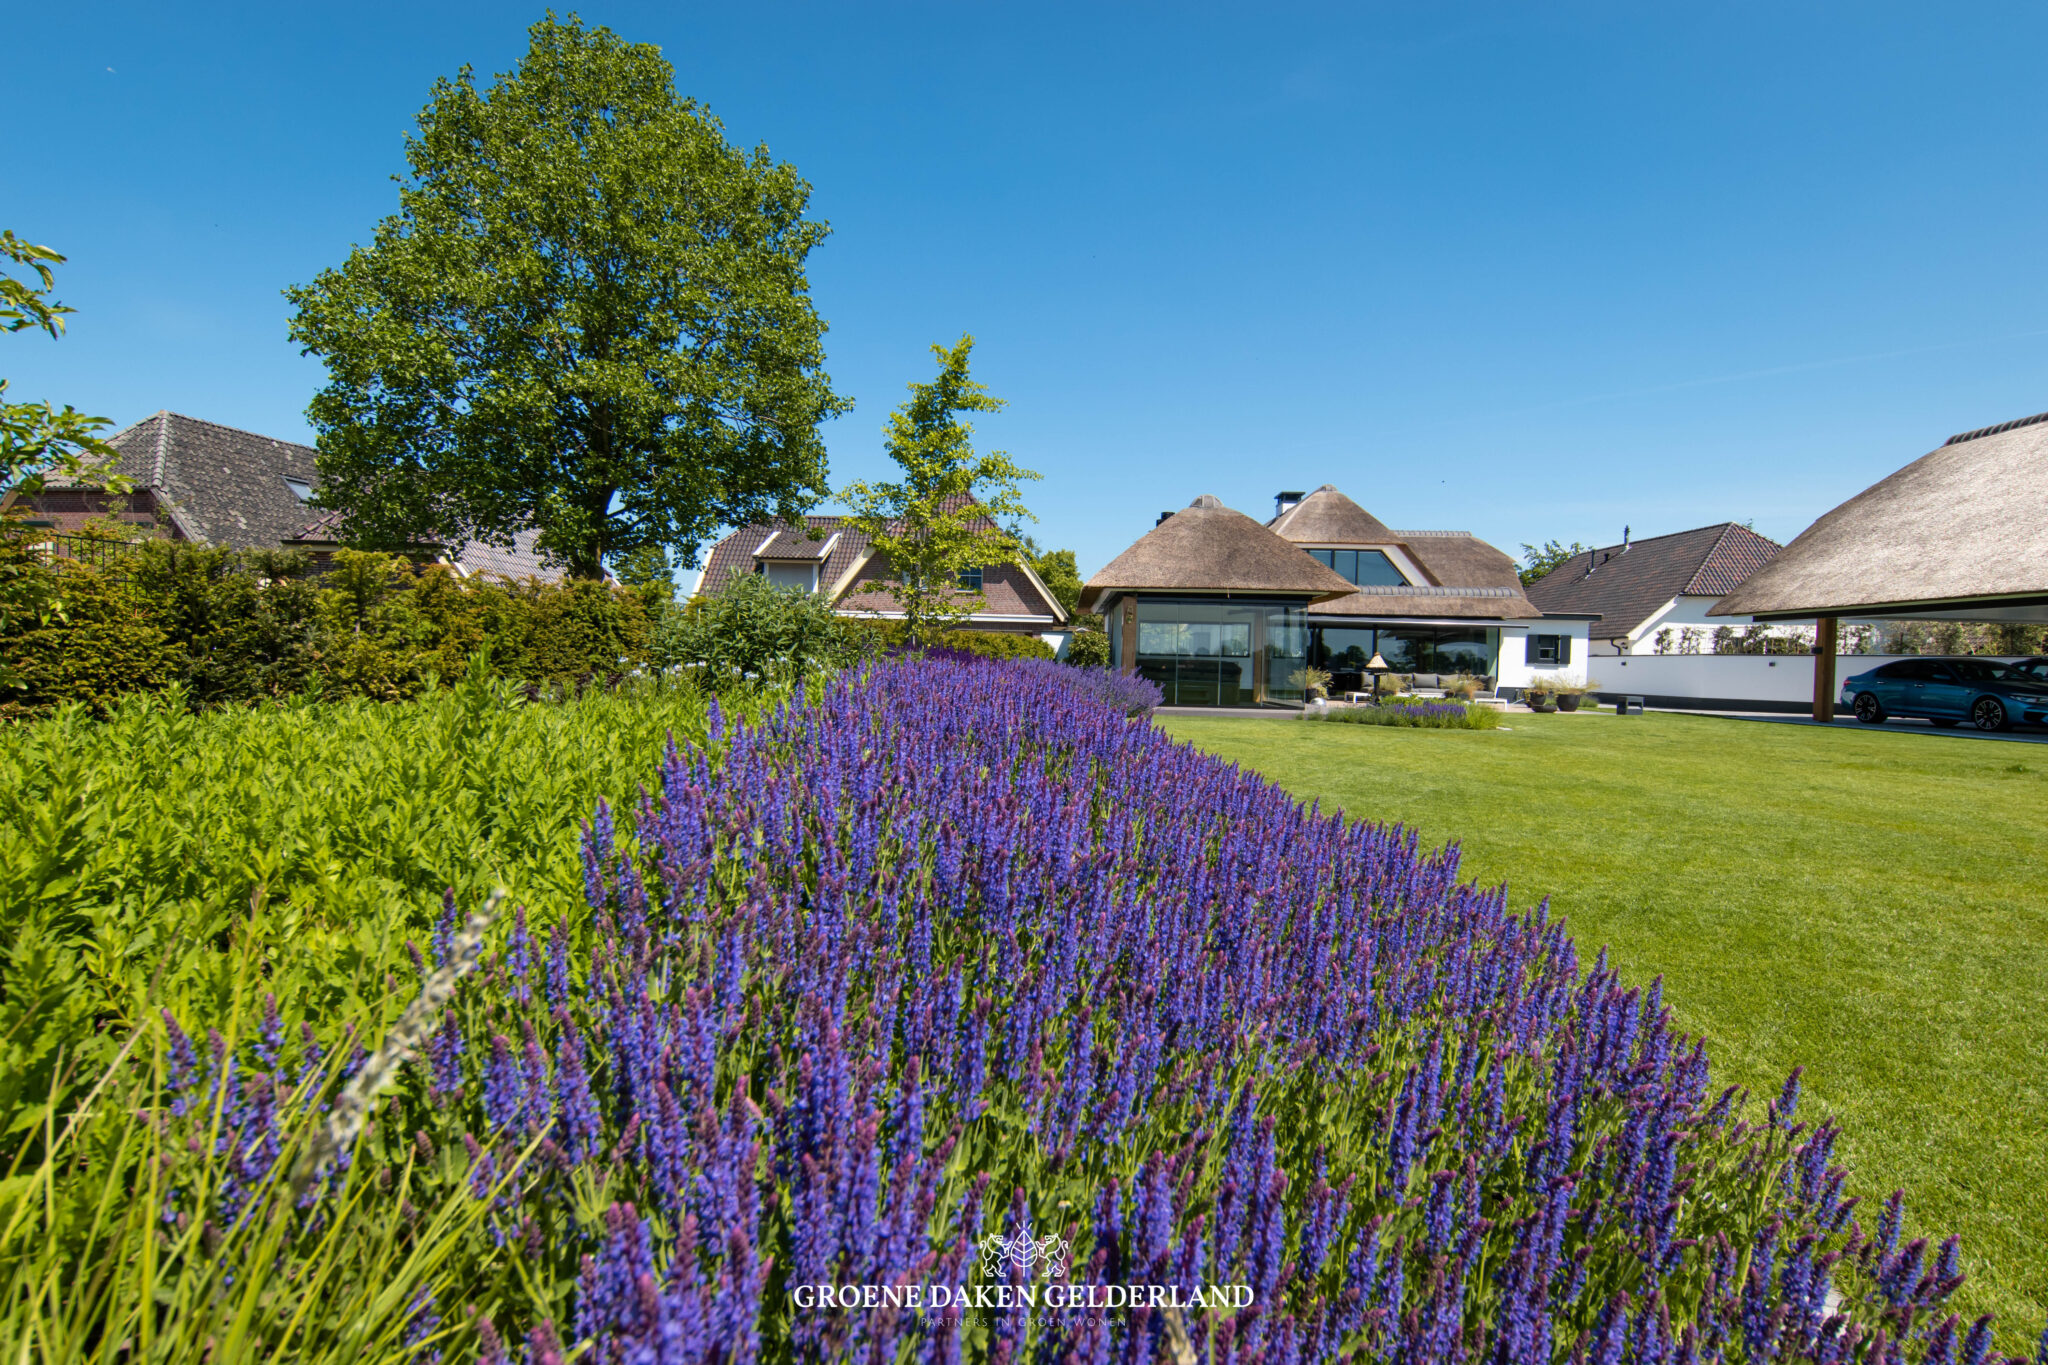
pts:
pixel 1988 714
pixel 1869 709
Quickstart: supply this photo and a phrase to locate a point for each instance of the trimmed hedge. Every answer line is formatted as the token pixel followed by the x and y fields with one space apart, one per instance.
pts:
pixel 233 626
pixel 983 644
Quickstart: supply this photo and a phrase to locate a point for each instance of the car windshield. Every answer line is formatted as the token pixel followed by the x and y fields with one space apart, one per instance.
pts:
pixel 1977 670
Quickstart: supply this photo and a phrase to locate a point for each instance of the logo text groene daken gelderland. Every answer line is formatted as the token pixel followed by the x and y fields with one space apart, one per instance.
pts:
pixel 996 1296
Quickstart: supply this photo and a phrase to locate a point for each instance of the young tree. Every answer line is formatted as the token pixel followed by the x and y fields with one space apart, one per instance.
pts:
pixel 941 519
pixel 1542 559
pixel 589 316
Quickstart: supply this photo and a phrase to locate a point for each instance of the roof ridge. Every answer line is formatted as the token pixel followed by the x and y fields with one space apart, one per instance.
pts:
pixel 239 431
pixel 2013 425
pixel 163 440
pixel 1430 590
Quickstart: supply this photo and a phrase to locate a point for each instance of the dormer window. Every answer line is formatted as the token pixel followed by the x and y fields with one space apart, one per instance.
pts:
pixel 782 574
pixel 970 579
pixel 299 488
pixel 1366 568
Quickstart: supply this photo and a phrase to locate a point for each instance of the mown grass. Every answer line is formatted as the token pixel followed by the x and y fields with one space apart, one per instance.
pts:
pixel 1873 905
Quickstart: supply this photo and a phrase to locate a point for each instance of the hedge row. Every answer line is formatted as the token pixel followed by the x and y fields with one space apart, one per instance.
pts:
pixel 232 626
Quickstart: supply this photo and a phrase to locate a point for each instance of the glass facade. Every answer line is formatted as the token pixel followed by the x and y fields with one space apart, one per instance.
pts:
pixel 1367 567
pixel 1345 651
pixel 1220 652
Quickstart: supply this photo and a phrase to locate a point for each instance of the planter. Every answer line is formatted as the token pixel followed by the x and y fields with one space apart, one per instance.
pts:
pixel 1568 702
pixel 1539 701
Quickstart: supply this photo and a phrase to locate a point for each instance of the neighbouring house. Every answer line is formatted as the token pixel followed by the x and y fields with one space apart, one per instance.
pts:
pixel 1653 595
pixel 1222 610
pixel 215 485
pixel 826 555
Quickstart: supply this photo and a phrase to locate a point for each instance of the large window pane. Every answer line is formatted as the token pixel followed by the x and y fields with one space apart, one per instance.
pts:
pixel 1160 638
pixel 1376 570
pixel 1465 651
pixel 1406 651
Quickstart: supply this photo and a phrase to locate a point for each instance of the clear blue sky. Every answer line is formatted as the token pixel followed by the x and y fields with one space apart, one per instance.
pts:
pixel 1531 271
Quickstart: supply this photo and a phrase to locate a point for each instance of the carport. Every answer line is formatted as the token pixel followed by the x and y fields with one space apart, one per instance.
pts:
pixel 1960 534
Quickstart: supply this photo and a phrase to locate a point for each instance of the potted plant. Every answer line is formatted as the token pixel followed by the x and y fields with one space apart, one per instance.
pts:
pixel 1540 695
pixel 1569 692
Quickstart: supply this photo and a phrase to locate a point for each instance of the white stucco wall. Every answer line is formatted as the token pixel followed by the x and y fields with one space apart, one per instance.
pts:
pixel 1515 671
pixel 1777 679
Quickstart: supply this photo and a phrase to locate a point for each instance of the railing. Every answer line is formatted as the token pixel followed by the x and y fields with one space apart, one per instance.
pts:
pixel 99 551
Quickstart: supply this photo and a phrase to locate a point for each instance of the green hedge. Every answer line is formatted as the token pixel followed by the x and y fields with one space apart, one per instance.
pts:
pixel 234 626
pixel 986 644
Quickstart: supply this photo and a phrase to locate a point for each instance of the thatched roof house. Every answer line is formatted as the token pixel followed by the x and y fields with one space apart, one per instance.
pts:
pixel 1207 547
pixel 1221 610
pixel 1961 531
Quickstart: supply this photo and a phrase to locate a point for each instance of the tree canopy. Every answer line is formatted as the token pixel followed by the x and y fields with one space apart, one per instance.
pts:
pixel 39 439
pixel 590 316
pixel 1541 559
pixel 942 518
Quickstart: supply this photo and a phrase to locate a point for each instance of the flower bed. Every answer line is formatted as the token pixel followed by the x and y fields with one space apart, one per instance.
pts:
pixel 957 950
pixel 1421 715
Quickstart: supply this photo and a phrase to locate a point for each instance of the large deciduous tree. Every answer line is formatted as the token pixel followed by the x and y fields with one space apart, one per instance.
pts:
pixel 589 317
pixel 945 515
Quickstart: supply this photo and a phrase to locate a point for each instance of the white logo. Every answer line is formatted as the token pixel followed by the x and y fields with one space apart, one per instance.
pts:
pixel 1047 1256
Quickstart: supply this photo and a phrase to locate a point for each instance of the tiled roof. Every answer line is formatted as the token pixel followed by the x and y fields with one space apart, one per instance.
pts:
pixel 523 560
pixel 791 546
pixel 218 484
pixel 841 553
pixel 1627 584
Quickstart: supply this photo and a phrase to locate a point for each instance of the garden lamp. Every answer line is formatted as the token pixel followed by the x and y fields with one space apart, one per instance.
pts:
pixel 1377 666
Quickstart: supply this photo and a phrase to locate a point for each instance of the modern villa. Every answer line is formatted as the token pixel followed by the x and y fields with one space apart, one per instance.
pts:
pixel 1222 610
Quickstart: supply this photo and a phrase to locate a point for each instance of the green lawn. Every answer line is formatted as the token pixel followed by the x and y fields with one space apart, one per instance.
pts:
pixel 1873 905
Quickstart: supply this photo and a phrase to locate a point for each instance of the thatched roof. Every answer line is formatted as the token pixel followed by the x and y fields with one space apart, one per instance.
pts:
pixel 1327 517
pixel 1964 525
pixel 1479 604
pixel 1207 547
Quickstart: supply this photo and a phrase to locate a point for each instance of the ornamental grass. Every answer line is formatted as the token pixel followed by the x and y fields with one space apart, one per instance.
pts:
pixel 957 950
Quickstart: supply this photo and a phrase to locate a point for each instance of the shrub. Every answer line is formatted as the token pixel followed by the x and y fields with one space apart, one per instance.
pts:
pixel 93 640
pixel 954 952
pixel 752 631
pixel 143 856
pixel 1421 715
pixel 1088 649
pixel 891 637
pixel 233 626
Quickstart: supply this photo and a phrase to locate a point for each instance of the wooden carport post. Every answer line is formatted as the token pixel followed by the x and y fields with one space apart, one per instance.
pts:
pixel 1824 669
pixel 1128 608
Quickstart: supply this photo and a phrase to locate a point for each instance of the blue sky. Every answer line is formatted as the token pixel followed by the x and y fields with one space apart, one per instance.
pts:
pixel 1529 271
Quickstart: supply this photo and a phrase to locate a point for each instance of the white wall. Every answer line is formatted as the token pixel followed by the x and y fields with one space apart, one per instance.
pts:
pixel 1771 682
pixel 1684 612
pixel 1515 671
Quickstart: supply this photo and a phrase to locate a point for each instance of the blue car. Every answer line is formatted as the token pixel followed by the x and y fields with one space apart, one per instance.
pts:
pixel 1990 696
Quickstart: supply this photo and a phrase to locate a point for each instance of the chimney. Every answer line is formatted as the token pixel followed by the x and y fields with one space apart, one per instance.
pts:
pixel 1283 501
pixel 1162 518
pixel 1624 540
